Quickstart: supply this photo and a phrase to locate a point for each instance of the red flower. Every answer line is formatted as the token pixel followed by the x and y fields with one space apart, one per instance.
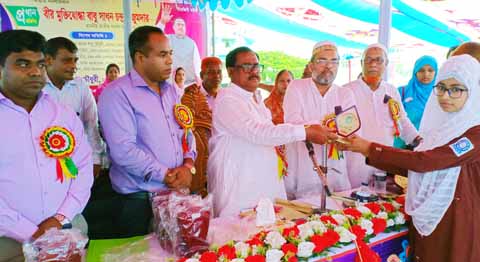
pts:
pixel 389 208
pixel 291 232
pixel 255 258
pixel 358 231
pixel 352 212
pixel 400 200
pixel 379 225
pixel 293 259
pixel 374 207
pixel 300 221
pixel 261 235
pixel 289 248
pixel 328 219
pixel 56 141
pixel 254 242
pixel 367 253
pixel 208 257
pixel 183 259
pixel 322 242
pixel 227 252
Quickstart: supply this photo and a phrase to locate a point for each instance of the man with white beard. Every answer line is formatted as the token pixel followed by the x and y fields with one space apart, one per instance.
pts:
pixel 313 100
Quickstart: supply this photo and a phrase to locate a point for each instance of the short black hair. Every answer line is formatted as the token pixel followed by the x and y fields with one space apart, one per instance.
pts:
pixel 57 43
pixel 110 66
pixel 16 41
pixel 231 59
pixel 138 39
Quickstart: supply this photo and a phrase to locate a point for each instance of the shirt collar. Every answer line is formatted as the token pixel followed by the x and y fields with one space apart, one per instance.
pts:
pixel 138 81
pixel 66 84
pixel 246 94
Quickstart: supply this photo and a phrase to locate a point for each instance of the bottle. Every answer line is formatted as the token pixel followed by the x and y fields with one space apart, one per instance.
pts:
pixel 380 183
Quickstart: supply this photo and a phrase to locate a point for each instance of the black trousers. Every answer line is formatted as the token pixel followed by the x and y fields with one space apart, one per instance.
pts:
pixel 113 215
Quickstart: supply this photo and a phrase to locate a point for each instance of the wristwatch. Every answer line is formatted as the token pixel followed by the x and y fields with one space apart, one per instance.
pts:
pixel 192 168
pixel 63 221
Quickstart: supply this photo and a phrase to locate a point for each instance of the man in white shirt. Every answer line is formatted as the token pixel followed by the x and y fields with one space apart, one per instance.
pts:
pixel 242 166
pixel 61 59
pixel 378 125
pixel 313 100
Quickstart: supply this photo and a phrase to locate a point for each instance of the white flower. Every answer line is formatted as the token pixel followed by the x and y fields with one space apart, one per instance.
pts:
pixel 237 260
pixel 275 239
pixel 317 226
pixel 396 205
pixel 390 222
pixel 399 218
pixel 345 235
pixel 192 260
pixel 367 225
pixel 274 255
pixel 364 209
pixel 255 250
pixel 305 231
pixel 382 214
pixel 339 218
pixel 242 249
pixel 305 249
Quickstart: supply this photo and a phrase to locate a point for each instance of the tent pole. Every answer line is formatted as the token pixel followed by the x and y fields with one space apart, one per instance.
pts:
pixel 385 25
pixel 127 28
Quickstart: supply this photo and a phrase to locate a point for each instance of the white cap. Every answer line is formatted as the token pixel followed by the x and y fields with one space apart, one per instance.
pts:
pixel 376 45
pixel 321 45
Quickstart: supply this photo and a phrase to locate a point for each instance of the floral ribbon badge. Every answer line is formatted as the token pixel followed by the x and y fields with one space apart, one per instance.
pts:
pixel 184 118
pixel 394 108
pixel 58 142
pixel 333 152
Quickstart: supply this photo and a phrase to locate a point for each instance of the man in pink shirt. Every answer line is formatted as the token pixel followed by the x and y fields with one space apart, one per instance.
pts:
pixel 36 193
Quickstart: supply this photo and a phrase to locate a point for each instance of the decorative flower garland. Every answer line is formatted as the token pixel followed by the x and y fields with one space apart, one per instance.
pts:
pixel 314 236
pixel 58 142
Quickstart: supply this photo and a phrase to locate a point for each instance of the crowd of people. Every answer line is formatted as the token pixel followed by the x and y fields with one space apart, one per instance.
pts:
pixel 60 139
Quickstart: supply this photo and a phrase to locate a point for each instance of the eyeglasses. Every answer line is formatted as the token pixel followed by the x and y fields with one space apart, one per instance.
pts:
pixel 247 68
pixel 323 62
pixel 378 60
pixel 453 92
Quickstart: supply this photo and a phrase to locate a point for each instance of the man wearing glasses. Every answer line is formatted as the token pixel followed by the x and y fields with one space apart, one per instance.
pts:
pixel 379 124
pixel 242 166
pixel 313 100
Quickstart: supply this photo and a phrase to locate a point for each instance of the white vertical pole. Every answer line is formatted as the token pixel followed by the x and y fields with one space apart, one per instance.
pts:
pixel 385 24
pixel 127 28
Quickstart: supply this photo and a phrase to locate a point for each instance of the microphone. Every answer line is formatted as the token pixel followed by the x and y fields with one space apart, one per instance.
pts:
pixel 323 178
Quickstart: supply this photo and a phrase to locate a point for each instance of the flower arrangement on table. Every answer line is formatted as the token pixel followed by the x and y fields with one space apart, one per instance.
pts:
pixel 313 237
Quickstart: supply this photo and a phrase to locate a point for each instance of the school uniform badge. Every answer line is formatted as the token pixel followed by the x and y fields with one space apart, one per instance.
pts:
pixel 462 146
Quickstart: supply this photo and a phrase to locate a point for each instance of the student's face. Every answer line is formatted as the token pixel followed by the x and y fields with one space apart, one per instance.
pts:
pixel 457 98
pixel 180 77
pixel 426 74
pixel 63 66
pixel 23 76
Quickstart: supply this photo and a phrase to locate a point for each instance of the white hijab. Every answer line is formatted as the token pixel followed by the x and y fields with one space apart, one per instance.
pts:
pixel 430 194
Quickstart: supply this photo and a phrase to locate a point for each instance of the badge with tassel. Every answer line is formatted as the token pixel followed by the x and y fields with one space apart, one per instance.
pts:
pixel 394 108
pixel 184 118
pixel 58 142
pixel 281 161
pixel 333 152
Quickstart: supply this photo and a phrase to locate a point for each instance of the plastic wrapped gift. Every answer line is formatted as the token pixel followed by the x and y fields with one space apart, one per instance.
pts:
pixel 56 245
pixel 181 222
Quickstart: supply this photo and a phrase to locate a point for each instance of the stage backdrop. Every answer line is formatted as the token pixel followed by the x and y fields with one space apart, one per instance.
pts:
pixel 96 26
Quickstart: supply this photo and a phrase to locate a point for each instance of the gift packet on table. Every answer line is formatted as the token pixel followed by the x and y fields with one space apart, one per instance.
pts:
pixel 56 245
pixel 181 222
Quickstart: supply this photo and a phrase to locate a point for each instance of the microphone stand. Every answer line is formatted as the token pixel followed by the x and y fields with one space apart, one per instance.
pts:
pixel 322 174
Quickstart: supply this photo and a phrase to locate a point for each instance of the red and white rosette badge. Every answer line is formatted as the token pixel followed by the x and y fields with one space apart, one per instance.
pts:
pixel 58 142
pixel 184 118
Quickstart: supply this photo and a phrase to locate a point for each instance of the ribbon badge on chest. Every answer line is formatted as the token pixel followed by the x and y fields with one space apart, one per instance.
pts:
pixel 184 118
pixel 58 142
pixel 333 152
pixel 394 108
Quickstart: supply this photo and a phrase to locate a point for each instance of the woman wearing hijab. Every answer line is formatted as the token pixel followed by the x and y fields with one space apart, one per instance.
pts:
pixel 111 73
pixel 444 171
pixel 416 93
